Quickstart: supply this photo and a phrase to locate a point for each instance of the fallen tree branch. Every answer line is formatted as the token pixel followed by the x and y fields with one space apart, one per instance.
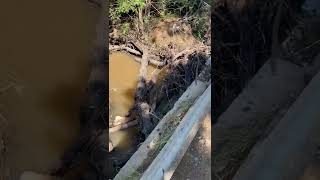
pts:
pixel 142 108
pixel 188 51
pixel 151 61
pixel 137 53
pixel 123 126
pixel 123 47
pixel 120 120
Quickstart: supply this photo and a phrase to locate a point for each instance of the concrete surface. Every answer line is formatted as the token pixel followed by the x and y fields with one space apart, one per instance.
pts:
pixel 264 93
pixel 290 146
pixel 196 163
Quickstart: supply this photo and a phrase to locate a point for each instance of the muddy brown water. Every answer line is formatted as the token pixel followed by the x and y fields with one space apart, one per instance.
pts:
pixel 44 70
pixel 123 78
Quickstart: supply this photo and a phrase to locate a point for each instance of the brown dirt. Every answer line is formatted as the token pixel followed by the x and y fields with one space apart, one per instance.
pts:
pixel 163 35
pixel 196 163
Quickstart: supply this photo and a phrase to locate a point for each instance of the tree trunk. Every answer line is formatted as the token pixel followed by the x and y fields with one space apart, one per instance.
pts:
pixel 141 20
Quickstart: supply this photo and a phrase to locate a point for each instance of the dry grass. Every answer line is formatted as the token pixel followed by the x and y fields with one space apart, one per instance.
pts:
pixel 163 138
pixel 135 175
pixel 171 126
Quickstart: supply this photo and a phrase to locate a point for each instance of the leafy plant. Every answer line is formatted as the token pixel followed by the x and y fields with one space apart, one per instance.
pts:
pixel 124 28
pixel 123 7
pixel 200 26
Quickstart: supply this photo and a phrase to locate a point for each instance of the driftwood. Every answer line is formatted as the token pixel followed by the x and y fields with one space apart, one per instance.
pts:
pixel 151 61
pixel 123 47
pixel 140 157
pixel 188 51
pixel 141 107
pixel 123 126
pixel 120 120
pixel 137 53
pixel 121 123
pixel 140 49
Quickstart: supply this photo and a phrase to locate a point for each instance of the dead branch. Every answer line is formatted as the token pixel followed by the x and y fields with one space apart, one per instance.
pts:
pixel 141 109
pixel 123 47
pixel 137 53
pixel 120 120
pixel 123 126
pixel 188 51
pixel 142 75
pixel 156 63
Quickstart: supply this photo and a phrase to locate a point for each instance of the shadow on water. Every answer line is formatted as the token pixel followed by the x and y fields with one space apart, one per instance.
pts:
pixel 46 45
pixel 123 78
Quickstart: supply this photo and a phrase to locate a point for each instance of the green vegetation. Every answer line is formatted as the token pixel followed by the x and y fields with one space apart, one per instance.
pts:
pixel 134 176
pixel 141 15
pixel 171 126
pixel 121 8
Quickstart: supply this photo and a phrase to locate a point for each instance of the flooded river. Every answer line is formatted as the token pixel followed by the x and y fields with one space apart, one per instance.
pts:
pixel 44 70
